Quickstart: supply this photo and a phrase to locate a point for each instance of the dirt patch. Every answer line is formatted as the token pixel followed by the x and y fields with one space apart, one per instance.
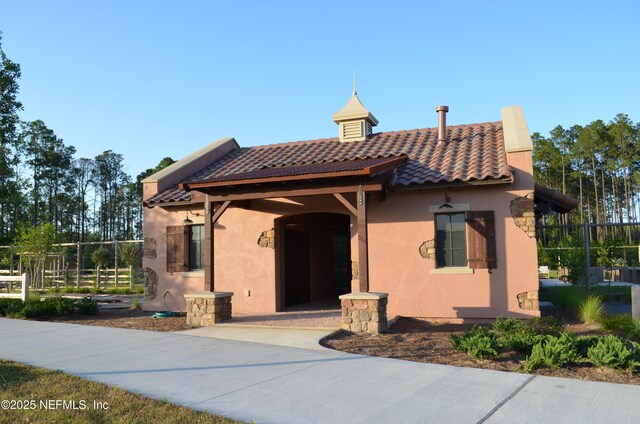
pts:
pixel 128 318
pixel 421 341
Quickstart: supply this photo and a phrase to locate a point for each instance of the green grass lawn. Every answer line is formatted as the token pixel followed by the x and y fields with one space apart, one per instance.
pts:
pixel 36 390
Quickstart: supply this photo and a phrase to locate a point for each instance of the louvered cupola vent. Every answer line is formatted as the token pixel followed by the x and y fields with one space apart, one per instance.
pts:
pixel 354 120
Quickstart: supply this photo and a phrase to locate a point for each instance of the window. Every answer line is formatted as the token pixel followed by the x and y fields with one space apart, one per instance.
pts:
pixel 185 248
pixel 196 247
pixel 466 239
pixel 451 240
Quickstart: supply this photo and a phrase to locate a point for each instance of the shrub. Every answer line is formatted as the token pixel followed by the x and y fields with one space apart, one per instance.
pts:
pixel 610 352
pixel 135 303
pixel 87 306
pixel 478 342
pixel 10 307
pixel 505 326
pixel 567 297
pixel 59 305
pixel 616 322
pixel 522 342
pixel 544 326
pixel 553 352
pixel 583 343
pixel 102 257
pixel 35 307
pixel 633 330
pixel 591 310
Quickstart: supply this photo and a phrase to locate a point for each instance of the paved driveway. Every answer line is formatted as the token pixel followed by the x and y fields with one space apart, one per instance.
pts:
pixel 276 384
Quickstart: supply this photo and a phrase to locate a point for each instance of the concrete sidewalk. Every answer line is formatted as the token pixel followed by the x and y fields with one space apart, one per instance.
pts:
pixel 275 384
pixel 304 338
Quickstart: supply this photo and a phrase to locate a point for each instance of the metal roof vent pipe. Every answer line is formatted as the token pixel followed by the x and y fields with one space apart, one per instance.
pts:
pixel 442 122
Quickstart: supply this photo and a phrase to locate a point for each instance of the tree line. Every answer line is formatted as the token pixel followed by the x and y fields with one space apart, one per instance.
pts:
pixel 42 181
pixel 599 164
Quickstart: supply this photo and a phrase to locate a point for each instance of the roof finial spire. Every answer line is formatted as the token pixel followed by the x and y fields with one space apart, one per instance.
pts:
pixel 354 82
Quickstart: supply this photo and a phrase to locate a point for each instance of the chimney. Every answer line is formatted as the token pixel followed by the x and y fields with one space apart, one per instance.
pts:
pixel 442 122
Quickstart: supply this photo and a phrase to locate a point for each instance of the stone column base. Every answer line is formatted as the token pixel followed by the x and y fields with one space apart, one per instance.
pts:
pixel 208 308
pixel 364 312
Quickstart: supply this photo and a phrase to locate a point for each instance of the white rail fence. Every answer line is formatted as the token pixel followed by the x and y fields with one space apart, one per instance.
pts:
pixel 6 283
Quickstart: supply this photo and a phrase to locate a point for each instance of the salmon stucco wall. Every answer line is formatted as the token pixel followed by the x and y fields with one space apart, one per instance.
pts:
pixel 171 287
pixel 248 261
pixel 401 224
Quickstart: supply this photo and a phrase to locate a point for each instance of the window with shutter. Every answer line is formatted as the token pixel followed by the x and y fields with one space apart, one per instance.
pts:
pixel 451 249
pixel 177 248
pixel 481 236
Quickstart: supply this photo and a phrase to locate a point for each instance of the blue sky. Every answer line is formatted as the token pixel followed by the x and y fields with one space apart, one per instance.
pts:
pixel 150 79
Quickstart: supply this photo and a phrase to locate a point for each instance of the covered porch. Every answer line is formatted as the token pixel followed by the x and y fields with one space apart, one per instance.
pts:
pixel 319 237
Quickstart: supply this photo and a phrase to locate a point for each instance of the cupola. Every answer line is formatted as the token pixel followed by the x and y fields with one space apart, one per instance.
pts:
pixel 354 120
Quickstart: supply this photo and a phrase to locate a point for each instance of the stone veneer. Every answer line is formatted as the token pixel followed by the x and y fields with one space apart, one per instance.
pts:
pixel 267 239
pixel 150 283
pixel 428 249
pixel 364 312
pixel 208 308
pixel 524 214
pixel 529 301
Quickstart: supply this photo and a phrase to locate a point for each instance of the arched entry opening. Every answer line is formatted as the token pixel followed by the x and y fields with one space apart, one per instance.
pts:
pixel 314 259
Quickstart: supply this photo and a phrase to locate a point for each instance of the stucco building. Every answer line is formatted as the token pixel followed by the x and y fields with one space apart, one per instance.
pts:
pixel 435 222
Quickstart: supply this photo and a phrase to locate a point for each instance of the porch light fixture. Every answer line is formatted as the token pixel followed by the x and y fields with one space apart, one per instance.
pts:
pixel 446 204
pixel 187 221
pixel 291 223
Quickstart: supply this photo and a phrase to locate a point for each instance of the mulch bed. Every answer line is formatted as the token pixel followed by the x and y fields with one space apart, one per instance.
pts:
pixel 421 341
pixel 128 318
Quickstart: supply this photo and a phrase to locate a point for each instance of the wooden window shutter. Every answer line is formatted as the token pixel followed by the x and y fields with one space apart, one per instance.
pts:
pixel 177 248
pixel 481 236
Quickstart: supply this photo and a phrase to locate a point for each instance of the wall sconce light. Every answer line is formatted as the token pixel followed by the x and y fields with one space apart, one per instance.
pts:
pixel 186 220
pixel 446 204
pixel 291 223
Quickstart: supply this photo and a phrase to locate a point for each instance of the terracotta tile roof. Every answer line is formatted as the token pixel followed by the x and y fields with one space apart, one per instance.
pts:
pixel 346 167
pixel 471 153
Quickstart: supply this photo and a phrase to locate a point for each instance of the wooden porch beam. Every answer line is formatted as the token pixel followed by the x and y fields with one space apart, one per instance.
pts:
pixel 363 242
pixel 296 191
pixel 220 211
pixel 346 203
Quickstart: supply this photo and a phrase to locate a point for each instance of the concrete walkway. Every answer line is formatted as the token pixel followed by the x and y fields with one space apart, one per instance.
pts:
pixel 275 384
pixel 304 338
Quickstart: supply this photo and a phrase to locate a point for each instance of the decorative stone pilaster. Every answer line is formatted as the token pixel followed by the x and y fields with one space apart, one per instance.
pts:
pixel 208 308
pixel 529 301
pixel 364 312
pixel 522 210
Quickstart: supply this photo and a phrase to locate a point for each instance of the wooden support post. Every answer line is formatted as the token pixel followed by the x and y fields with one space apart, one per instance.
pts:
pixel 363 244
pixel 210 218
pixel 131 278
pixel 78 263
pixel 208 246
pixel 115 261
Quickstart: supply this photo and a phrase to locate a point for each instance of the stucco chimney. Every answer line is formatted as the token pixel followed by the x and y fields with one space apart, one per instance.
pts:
pixel 442 122
pixel 516 132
